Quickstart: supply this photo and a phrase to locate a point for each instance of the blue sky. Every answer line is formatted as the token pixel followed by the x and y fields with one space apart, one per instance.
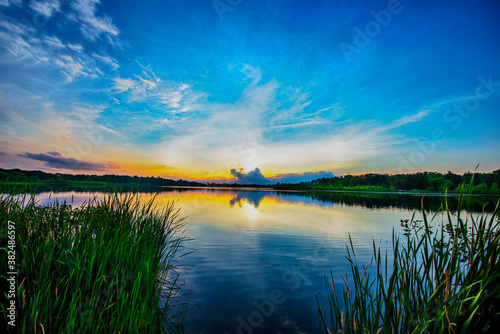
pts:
pixel 297 89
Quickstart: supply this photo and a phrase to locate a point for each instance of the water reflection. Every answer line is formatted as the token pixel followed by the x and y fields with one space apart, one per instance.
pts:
pixel 251 244
pixel 252 197
pixel 256 196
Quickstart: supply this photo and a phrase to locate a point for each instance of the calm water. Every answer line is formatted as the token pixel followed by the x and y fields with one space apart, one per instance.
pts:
pixel 261 256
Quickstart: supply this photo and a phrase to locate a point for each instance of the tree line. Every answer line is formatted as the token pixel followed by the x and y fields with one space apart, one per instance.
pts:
pixel 421 181
pixel 25 176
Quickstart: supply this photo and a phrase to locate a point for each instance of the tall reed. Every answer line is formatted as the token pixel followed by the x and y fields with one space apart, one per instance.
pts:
pixel 443 276
pixel 110 265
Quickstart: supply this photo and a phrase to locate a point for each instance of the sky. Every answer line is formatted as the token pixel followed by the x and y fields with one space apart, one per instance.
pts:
pixel 249 91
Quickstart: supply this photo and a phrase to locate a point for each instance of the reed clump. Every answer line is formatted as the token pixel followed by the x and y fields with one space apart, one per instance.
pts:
pixel 441 276
pixel 110 265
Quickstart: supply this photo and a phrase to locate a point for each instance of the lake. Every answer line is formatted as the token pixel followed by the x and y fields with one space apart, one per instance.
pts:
pixel 261 256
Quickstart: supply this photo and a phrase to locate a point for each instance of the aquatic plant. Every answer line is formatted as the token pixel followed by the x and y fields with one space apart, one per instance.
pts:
pixel 110 265
pixel 441 276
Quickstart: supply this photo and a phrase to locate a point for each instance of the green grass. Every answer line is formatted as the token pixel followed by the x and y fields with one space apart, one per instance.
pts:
pixel 441 276
pixel 108 266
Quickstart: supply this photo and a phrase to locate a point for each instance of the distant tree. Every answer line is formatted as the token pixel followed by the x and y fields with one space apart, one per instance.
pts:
pixel 481 188
pixel 496 177
pixel 4 176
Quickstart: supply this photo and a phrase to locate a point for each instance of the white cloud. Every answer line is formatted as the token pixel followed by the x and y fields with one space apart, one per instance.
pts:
pixel 28 47
pixel 345 146
pixel 54 41
pixel 108 60
pixel 105 24
pixel 335 111
pixel 123 85
pixel 172 97
pixel 252 73
pixel 93 26
pixel 74 68
pixel 299 124
pixel 19 47
pixel 406 120
pixel 148 87
pixel 15 28
pixel 10 2
pixel 75 47
pixel 412 118
pixel 141 88
pixel 47 8
pixel 149 83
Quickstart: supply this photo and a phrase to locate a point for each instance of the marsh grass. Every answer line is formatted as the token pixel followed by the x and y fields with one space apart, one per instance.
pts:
pixel 110 265
pixel 443 276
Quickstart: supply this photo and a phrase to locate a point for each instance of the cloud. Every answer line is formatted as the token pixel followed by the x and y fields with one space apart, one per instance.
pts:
pixel 57 160
pixel 123 85
pixel 18 39
pixel 15 28
pixel 253 74
pixel 172 97
pixel 298 124
pixel 106 59
pixel 54 41
pixel 55 154
pixel 252 177
pixel 10 2
pixel 73 67
pixel 75 47
pixel 251 132
pixel 27 47
pixel 411 118
pixel 93 26
pixel 139 89
pixel 256 177
pixel 46 8
pixel 407 119
pixel 148 87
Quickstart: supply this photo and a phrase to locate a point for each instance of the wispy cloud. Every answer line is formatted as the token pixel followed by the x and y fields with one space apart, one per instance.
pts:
pixel 105 59
pixel 411 118
pixel 15 28
pixel 93 26
pixel 57 160
pixel 172 97
pixel 299 124
pixel 73 68
pixel 407 119
pixel 10 2
pixel 53 41
pixel 123 85
pixel 47 7
pixel 147 87
pixel 140 88
pixel 28 47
